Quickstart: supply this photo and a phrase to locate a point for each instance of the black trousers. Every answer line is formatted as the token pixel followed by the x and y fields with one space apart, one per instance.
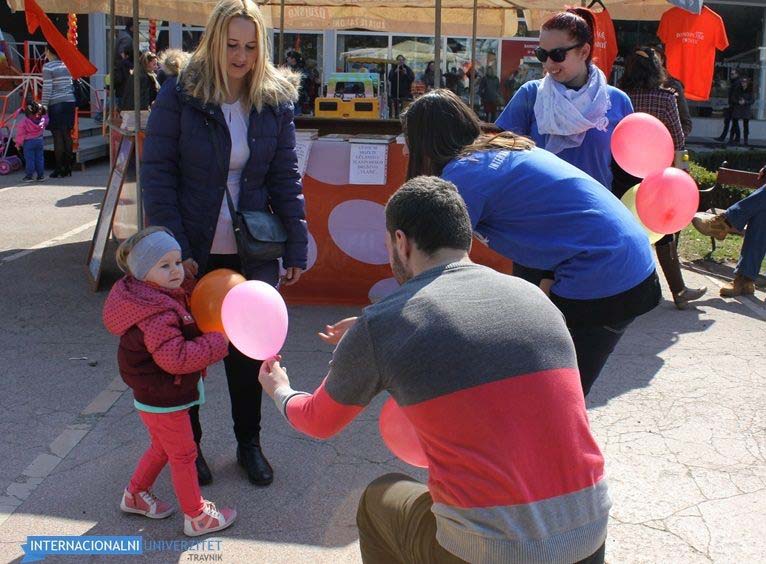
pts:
pixel 593 343
pixel 245 392
pixel 62 148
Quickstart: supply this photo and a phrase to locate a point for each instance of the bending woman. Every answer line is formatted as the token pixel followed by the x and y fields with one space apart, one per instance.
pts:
pixel 534 208
pixel 225 124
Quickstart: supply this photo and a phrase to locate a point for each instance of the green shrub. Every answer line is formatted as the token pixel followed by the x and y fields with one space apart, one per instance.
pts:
pixel 751 160
pixel 723 196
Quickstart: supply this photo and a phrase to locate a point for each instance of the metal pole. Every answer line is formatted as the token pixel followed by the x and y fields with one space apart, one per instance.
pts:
pixel 438 44
pixel 281 33
pixel 137 112
pixel 762 77
pixel 111 54
pixel 472 77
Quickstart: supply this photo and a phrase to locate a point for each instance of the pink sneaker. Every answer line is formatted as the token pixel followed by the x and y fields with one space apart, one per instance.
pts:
pixel 209 521
pixel 146 504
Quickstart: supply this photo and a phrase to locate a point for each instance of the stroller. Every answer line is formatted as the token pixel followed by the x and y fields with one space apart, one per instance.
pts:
pixel 9 154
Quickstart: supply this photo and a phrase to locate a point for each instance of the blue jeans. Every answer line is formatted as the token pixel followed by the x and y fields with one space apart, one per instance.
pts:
pixel 750 213
pixel 33 157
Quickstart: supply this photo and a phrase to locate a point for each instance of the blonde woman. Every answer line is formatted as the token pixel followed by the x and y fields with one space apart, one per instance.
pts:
pixel 226 124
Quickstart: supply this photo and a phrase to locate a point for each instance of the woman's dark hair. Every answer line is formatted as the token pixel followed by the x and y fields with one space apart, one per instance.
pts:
pixel 439 127
pixel 578 22
pixel 643 70
pixel 430 211
pixel 298 58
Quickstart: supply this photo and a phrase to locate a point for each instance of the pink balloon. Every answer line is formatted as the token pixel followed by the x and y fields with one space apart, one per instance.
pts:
pixel 667 200
pixel 254 316
pixel 641 144
pixel 400 436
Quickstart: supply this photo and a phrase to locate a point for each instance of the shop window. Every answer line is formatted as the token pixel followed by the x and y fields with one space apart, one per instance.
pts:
pixel 351 45
pixel 309 45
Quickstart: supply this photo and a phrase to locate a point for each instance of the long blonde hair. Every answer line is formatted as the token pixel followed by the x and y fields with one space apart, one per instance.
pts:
pixel 205 76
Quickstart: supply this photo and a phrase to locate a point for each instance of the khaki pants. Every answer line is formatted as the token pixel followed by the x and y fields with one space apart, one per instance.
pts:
pixel 396 525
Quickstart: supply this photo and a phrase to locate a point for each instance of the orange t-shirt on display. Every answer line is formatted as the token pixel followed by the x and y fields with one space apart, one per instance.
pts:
pixel 604 42
pixel 690 43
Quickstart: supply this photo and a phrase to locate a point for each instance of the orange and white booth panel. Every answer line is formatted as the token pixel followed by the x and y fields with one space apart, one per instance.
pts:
pixel 348 261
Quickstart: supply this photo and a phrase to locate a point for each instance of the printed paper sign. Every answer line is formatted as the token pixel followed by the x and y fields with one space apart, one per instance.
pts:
pixel 303 150
pixel 368 164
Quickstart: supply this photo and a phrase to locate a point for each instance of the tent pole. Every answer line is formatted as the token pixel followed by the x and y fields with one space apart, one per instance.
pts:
pixel 472 77
pixel 438 44
pixel 112 55
pixel 137 112
pixel 281 60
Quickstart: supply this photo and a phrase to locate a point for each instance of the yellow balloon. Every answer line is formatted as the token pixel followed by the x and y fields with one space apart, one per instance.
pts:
pixel 629 200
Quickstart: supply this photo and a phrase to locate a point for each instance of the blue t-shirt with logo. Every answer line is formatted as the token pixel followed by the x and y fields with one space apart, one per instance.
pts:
pixel 594 156
pixel 544 213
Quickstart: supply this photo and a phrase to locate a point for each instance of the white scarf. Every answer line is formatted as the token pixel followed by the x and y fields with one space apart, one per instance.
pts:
pixel 566 115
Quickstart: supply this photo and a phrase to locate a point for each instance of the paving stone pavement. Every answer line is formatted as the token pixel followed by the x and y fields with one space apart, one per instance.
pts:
pixel 678 412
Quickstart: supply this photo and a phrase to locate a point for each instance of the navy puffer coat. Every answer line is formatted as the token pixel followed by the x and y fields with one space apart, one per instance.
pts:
pixel 183 186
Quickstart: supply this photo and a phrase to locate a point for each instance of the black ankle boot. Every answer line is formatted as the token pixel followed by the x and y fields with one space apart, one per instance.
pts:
pixel 204 475
pixel 251 458
pixel 56 173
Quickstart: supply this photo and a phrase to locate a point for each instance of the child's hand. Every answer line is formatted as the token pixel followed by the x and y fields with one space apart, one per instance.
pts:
pixel 333 333
pixel 272 375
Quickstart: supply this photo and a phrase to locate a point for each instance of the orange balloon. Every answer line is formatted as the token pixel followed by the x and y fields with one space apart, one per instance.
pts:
pixel 207 298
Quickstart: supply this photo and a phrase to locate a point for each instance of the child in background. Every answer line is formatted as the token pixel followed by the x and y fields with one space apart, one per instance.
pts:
pixel 29 135
pixel 162 356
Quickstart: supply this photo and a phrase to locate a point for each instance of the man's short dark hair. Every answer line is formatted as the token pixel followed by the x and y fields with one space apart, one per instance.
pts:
pixel 431 212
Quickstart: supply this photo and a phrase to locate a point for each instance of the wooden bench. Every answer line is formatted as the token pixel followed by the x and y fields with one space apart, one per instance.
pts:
pixel 730 177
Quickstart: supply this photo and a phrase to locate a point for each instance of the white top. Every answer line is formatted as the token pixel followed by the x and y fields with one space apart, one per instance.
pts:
pixel 237 120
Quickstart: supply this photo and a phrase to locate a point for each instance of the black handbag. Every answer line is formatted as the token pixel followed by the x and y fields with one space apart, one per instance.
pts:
pixel 260 235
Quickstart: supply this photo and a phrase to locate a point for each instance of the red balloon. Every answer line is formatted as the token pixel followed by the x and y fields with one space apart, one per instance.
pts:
pixel 400 436
pixel 641 144
pixel 667 200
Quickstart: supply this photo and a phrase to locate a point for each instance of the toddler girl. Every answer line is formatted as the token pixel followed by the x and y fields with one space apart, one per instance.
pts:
pixel 29 136
pixel 162 356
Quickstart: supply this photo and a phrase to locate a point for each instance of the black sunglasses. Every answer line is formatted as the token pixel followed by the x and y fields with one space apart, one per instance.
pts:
pixel 557 55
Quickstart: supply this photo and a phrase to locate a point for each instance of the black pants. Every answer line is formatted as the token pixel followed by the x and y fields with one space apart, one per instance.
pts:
pixel 593 343
pixel 245 391
pixel 62 148
pixel 735 134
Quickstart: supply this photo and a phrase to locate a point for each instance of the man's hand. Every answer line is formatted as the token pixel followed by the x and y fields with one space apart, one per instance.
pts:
pixel 292 275
pixel 762 173
pixel 333 333
pixel 272 375
pixel 190 268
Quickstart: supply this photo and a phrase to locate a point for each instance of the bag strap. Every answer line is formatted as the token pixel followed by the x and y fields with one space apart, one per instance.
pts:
pixel 236 224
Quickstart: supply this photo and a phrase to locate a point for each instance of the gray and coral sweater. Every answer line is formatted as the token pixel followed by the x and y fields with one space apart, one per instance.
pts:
pixel 483 366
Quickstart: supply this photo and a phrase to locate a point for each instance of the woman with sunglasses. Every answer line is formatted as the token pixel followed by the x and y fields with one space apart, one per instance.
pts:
pixel 643 81
pixel 534 208
pixel 572 112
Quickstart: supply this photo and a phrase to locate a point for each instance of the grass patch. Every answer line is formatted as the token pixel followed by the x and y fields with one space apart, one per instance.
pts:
pixel 693 246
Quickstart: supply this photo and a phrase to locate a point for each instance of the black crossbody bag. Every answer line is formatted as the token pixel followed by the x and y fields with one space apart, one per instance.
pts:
pixel 260 235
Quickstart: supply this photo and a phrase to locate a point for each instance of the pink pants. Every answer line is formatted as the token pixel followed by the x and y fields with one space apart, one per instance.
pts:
pixel 172 442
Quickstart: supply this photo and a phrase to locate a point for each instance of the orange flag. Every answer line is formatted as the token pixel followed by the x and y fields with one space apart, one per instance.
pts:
pixel 75 61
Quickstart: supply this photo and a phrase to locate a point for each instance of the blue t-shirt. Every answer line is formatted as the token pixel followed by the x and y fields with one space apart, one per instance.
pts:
pixel 544 213
pixel 594 156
